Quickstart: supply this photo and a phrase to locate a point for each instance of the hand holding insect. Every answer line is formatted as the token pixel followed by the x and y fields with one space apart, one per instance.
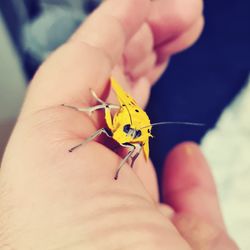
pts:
pixel 51 199
pixel 130 126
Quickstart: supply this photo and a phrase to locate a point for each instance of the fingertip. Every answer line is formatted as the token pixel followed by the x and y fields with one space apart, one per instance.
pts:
pixel 182 42
pixel 185 167
pixel 188 185
pixel 169 18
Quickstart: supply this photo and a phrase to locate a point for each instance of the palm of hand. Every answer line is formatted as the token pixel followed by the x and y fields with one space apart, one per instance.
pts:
pixel 87 202
pixel 58 200
pixel 85 196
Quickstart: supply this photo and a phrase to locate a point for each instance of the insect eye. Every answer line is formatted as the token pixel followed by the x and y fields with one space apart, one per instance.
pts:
pixel 137 133
pixel 126 128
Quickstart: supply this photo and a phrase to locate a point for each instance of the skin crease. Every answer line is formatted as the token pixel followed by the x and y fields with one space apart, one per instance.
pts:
pixel 51 199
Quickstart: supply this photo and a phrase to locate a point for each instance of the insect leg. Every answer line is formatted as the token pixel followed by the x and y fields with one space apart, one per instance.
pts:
pixel 96 97
pixel 103 105
pixel 91 138
pixel 108 118
pixel 136 155
pixel 131 151
pixel 93 108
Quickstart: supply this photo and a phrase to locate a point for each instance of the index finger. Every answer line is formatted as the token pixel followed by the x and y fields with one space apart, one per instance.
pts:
pixel 182 16
pixel 86 60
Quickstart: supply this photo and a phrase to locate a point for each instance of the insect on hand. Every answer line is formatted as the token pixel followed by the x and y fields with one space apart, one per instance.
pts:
pixel 129 126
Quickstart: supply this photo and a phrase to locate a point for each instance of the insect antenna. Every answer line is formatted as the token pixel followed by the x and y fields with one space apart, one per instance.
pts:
pixel 170 123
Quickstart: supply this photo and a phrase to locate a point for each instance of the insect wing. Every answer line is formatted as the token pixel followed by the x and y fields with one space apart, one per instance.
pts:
pixel 122 96
pixel 131 113
pixel 138 116
pixel 146 149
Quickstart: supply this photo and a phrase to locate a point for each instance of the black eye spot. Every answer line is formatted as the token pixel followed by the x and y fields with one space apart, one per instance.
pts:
pixel 149 131
pixel 137 110
pixel 123 105
pixel 137 133
pixel 126 128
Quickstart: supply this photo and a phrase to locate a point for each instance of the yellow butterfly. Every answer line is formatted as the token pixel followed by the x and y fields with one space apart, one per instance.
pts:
pixel 129 126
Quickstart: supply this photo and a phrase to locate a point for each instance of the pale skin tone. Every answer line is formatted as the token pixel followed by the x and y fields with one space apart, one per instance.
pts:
pixel 53 199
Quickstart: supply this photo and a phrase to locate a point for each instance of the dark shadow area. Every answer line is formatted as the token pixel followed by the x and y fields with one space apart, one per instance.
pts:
pixel 203 80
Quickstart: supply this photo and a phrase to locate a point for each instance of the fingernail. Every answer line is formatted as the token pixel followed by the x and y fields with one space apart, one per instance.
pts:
pixel 187 152
pixel 184 164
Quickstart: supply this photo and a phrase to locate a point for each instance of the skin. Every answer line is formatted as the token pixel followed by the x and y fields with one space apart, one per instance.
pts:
pixel 52 199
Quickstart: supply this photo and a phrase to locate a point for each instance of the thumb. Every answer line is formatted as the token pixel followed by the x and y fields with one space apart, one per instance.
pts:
pixel 190 189
pixel 188 185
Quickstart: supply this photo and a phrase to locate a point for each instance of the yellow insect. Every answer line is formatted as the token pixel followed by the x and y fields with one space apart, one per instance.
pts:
pixel 129 126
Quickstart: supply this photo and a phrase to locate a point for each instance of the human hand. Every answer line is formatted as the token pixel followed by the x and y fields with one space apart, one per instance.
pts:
pixel 50 199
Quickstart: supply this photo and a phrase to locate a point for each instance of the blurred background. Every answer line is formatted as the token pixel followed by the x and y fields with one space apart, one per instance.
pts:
pixel 207 83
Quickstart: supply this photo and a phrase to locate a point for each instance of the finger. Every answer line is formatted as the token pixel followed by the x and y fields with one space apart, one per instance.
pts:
pixel 143 67
pixel 142 91
pixel 202 235
pixel 188 185
pixel 170 18
pixel 182 42
pixel 154 74
pixel 138 48
pixel 87 59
